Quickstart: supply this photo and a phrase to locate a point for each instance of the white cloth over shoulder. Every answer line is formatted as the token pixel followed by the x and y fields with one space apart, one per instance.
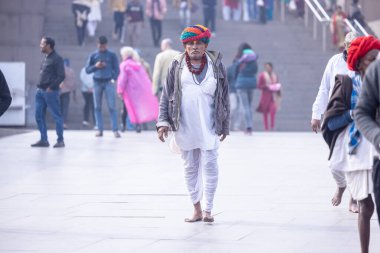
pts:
pixel 196 125
pixel 335 66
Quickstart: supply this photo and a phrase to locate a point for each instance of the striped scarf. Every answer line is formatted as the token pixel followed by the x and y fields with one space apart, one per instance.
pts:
pixel 354 134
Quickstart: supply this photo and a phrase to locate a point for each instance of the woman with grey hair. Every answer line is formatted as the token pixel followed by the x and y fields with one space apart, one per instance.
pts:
pixel 135 88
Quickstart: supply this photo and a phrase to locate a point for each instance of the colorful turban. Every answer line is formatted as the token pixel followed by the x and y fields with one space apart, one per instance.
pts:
pixel 194 33
pixel 359 48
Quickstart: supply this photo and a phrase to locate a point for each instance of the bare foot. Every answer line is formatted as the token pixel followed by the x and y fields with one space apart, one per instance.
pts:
pixel 353 206
pixel 208 217
pixel 338 196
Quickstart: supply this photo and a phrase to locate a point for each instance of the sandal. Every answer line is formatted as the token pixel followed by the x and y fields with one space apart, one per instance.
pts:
pixel 190 220
pixel 208 219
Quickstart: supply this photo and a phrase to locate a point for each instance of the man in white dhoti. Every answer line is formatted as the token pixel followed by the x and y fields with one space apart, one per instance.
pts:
pixel 195 105
pixel 356 153
pixel 336 66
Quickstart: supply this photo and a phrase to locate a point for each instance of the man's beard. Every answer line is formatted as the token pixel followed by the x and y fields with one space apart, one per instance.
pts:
pixel 196 57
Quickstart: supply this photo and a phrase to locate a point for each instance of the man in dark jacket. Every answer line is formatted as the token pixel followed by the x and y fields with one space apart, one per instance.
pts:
pixel 5 95
pixel 47 97
pixel 367 120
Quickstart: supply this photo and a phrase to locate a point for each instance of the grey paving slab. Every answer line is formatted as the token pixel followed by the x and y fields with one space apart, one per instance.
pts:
pixel 128 195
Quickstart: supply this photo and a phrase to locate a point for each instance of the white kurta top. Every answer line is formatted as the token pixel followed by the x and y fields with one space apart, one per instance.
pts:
pixel 335 66
pixel 196 124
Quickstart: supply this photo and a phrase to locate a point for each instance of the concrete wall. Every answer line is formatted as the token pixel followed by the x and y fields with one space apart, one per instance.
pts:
pixel 21 25
pixel 371 9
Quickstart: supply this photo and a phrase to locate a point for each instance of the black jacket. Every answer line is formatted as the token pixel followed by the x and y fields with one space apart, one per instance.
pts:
pixel 52 72
pixel 5 95
pixel 339 103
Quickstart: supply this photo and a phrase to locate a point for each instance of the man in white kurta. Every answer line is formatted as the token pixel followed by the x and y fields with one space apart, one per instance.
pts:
pixel 195 105
pixel 336 66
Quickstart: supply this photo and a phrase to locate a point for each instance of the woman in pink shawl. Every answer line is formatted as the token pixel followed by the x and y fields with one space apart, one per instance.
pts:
pixel 270 95
pixel 135 88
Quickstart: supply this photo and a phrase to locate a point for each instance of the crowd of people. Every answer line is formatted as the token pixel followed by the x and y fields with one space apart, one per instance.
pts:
pixel 129 16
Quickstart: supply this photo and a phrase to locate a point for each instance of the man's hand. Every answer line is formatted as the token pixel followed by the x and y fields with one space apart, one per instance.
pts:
pixel 222 137
pixel 100 64
pixel 163 132
pixel 315 125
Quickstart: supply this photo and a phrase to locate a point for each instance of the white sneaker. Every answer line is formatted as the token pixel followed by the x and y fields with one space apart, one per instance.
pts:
pixel 85 123
pixel 213 35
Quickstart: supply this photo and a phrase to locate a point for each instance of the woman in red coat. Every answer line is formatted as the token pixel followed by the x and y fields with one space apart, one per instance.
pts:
pixel 270 95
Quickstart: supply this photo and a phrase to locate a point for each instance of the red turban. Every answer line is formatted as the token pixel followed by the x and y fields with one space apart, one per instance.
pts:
pixel 359 48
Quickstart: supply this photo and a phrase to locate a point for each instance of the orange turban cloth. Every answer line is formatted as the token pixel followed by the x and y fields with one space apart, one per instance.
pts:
pixel 359 48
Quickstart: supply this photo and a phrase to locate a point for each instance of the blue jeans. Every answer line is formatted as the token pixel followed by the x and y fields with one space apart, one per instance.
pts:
pixel 48 100
pixel 245 98
pixel 110 91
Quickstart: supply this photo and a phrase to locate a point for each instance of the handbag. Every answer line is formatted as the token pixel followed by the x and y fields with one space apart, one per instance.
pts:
pixel 274 86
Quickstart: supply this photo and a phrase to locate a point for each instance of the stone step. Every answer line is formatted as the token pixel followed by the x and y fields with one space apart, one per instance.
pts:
pixel 298 58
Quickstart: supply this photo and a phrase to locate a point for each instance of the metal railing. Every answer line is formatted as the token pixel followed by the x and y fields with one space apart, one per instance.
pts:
pixel 361 28
pixel 319 15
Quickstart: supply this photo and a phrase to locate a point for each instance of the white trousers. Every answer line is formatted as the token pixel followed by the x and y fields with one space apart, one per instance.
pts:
pixel 229 13
pixel 198 164
pixel 91 28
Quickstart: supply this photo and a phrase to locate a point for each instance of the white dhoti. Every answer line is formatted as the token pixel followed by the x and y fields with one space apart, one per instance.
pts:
pixel 201 164
pixel 360 183
pixel 338 160
pixel 359 171
pixel 354 170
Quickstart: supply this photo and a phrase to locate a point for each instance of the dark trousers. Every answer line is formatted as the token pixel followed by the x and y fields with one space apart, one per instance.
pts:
pixel 65 102
pixel 156 27
pixel 88 108
pixel 209 16
pixel 263 14
pixel 81 29
pixel 118 18
pixel 376 185
pixel 124 115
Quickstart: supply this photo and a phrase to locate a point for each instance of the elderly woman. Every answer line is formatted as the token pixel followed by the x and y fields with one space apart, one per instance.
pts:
pixel 135 88
pixel 348 148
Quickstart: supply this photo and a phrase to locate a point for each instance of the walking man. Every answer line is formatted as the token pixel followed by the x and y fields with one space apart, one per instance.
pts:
pixel 195 105
pixel 336 66
pixel 161 65
pixel 47 97
pixel 105 66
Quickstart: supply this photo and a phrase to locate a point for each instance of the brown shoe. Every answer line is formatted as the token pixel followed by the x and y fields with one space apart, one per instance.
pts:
pixel 99 134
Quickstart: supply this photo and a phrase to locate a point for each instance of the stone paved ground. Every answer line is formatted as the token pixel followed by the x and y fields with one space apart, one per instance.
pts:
pixel 128 195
